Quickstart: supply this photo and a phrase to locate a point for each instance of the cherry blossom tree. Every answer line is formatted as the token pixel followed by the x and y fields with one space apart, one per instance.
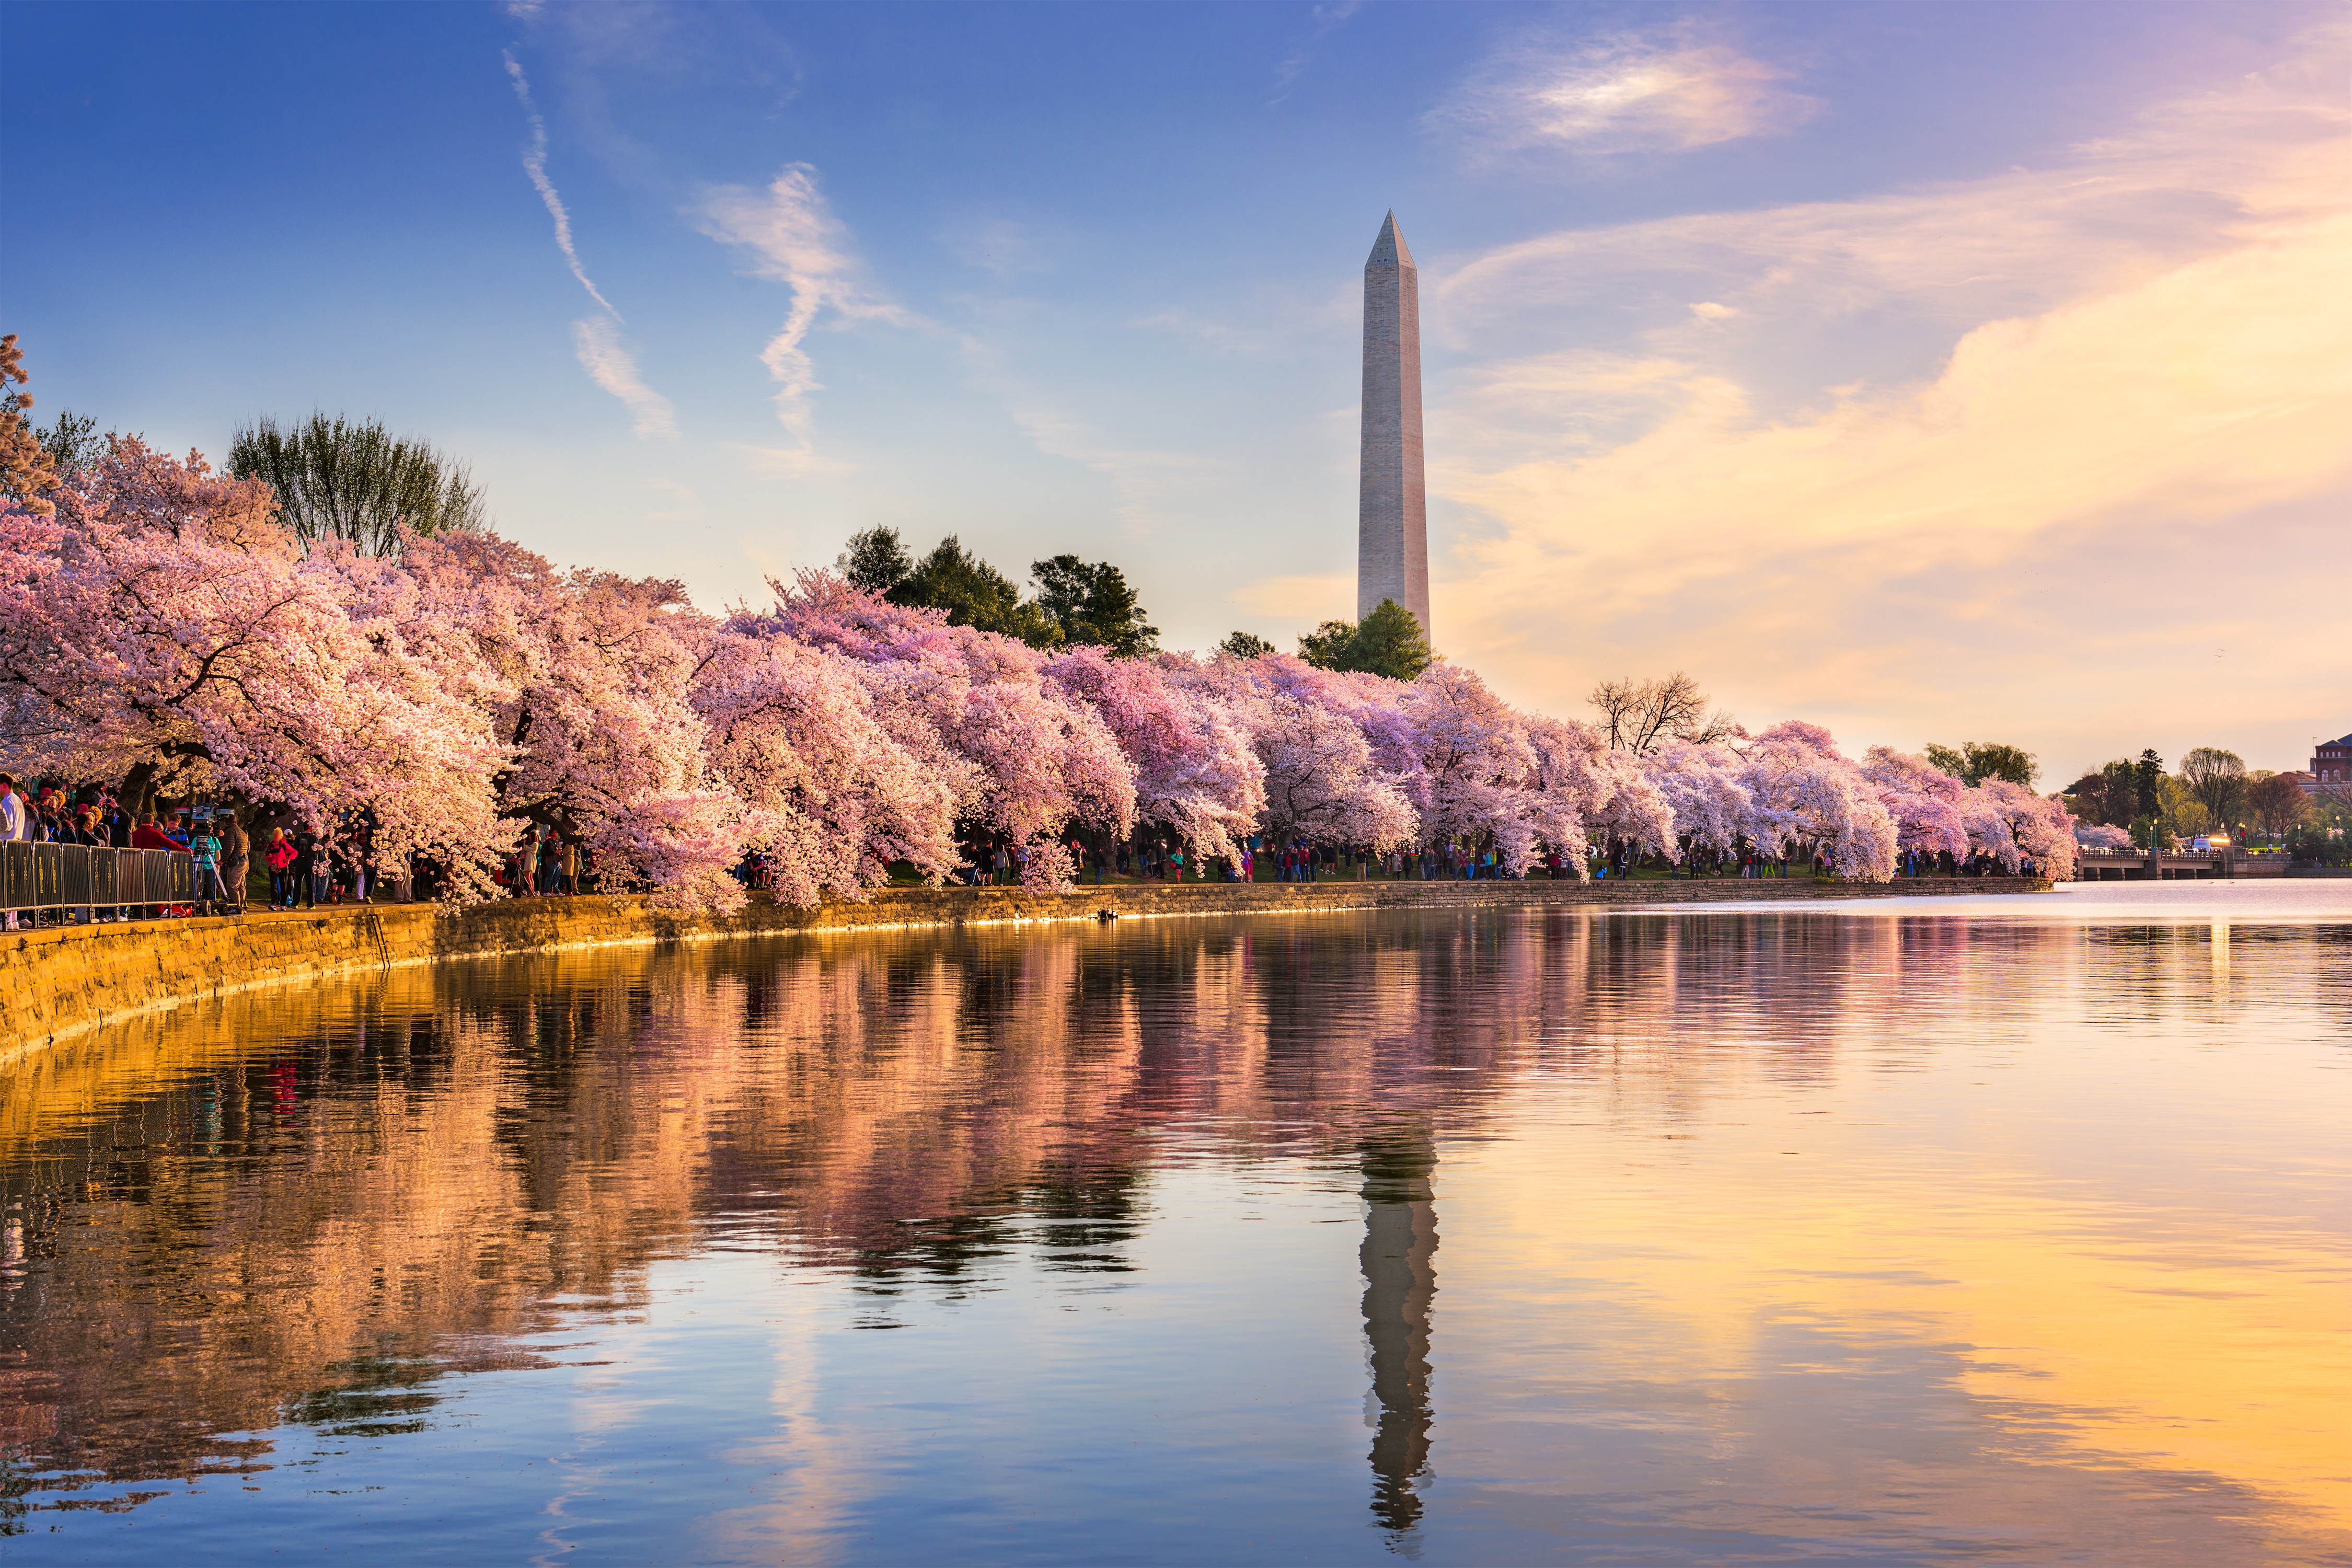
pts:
pixel 1321 779
pixel 1814 802
pixel 1704 788
pixel 587 679
pixel 1478 776
pixel 178 635
pixel 1195 772
pixel 1923 800
pixel 1026 759
pixel 1618 799
pixel 796 736
pixel 164 626
pixel 2012 824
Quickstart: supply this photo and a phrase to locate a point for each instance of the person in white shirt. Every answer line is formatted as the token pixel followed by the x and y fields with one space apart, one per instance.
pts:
pixel 14 827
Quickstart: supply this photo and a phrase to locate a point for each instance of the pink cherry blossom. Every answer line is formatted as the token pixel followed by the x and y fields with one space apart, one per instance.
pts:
pixel 163 621
pixel 1810 801
pixel 1923 801
pixel 180 630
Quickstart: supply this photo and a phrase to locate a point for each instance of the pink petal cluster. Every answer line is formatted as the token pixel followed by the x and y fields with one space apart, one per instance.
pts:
pixel 162 620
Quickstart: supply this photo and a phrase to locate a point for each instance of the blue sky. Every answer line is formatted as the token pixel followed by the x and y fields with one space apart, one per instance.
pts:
pixel 1935 371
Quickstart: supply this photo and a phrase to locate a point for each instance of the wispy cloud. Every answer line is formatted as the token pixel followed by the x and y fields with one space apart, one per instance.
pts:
pixel 1151 485
pixel 596 340
pixel 795 240
pixel 535 162
pixel 1001 247
pixel 794 462
pixel 1624 94
pixel 1322 19
pixel 602 354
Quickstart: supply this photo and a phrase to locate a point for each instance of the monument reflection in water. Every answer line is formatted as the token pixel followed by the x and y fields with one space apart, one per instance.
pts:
pixel 1400 1278
pixel 1978 1237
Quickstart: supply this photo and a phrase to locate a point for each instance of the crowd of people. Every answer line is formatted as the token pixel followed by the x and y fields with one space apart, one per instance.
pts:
pixel 307 869
pixel 48 812
pixel 302 869
pixel 1151 856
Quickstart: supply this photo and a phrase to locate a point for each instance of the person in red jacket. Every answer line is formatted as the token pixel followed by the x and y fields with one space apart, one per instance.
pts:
pixel 147 835
pixel 281 855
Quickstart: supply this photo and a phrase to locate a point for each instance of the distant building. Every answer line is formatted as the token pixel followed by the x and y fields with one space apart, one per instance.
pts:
pixel 1392 505
pixel 2331 766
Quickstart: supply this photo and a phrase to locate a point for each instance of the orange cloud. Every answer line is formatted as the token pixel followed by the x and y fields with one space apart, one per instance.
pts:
pixel 2163 417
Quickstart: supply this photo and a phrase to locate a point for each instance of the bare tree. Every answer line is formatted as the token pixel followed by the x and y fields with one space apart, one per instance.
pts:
pixel 2217 779
pixel 1641 714
pixel 339 480
pixel 2277 801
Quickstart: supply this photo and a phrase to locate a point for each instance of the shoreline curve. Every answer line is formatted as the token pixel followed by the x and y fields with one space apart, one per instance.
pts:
pixel 65 981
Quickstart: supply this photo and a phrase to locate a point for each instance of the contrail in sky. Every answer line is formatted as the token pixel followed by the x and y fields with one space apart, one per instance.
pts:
pixel 535 162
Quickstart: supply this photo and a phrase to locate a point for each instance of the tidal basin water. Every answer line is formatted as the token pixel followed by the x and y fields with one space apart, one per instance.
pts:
pixel 1979 1231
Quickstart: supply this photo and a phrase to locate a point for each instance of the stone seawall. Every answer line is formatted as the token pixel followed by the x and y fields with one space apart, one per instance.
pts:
pixel 62 981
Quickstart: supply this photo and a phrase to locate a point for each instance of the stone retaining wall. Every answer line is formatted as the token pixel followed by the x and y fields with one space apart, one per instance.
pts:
pixel 63 981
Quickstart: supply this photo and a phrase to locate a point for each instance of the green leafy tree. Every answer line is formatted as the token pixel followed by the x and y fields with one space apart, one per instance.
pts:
pixel 974 594
pixel 2326 839
pixel 1326 647
pixel 2109 796
pixel 1092 603
pixel 2183 815
pixel 874 560
pixel 1977 761
pixel 1244 644
pixel 341 478
pixel 2218 780
pixel 1388 642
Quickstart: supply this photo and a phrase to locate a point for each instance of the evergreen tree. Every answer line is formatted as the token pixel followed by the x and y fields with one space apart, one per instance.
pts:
pixel 2147 773
pixel 1327 646
pixel 874 560
pixel 72 442
pixel 1389 642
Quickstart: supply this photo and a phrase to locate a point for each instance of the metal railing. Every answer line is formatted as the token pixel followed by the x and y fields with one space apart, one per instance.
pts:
pixel 79 876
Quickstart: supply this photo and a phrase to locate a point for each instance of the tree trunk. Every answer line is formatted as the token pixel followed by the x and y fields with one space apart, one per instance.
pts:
pixel 138 796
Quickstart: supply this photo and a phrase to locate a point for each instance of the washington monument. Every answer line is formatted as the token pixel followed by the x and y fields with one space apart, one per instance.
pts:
pixel 1393 508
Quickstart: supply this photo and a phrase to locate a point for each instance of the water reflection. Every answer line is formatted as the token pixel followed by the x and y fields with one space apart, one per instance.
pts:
pixel 1732 1189
pixel 1399 1262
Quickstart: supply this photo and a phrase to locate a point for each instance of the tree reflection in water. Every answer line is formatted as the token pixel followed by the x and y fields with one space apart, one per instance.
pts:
pixel 233 1231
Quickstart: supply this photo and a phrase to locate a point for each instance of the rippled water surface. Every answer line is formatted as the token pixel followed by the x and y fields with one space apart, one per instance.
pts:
pixel 1999 1231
